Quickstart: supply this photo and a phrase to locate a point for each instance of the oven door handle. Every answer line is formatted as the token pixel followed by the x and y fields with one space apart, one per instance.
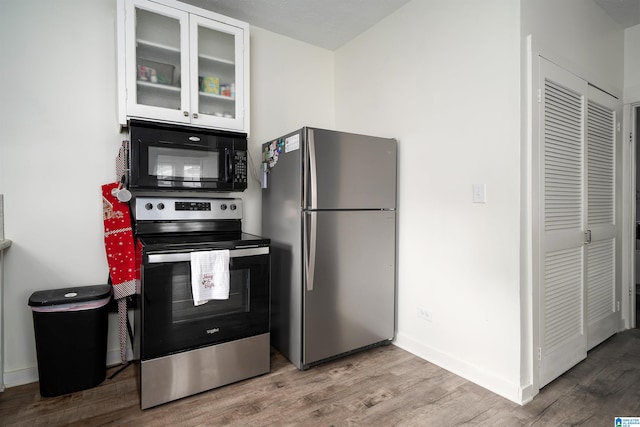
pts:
pixel 186 256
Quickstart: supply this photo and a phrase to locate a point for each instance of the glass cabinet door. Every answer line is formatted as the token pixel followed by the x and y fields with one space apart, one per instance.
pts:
pixel 157 62
pixel 216 74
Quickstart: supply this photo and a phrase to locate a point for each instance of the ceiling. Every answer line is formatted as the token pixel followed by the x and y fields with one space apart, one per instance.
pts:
pixel 332 23
pixel 625 12
pixel 324 23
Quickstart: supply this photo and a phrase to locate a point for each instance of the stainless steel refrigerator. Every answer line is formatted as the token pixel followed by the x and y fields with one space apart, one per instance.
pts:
pixel 329 208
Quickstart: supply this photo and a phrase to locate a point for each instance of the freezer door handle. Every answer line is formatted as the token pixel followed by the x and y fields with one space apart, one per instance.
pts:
pixel 313 181
pixel 310 222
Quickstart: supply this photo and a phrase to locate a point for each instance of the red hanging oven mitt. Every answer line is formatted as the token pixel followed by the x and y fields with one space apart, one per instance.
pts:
pixel 121 254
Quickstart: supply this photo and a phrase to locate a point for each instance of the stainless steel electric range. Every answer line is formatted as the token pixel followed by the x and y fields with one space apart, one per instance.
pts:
pixel 186 348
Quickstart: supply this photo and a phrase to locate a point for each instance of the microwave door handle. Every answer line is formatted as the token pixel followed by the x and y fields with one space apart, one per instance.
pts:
pixel 228 167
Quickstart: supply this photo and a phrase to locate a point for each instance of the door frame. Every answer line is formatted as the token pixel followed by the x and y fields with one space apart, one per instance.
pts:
pixel 631 113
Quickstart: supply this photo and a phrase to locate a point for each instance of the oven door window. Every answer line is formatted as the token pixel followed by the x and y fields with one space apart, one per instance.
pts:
pixel 171 323
pixel 183 310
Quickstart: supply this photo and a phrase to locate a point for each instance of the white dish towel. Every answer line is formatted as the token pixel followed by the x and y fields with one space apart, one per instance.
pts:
pixel 209 276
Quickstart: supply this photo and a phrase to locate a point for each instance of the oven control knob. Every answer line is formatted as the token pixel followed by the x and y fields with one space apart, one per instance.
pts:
pixel 232 207
pixel 160 206
pixel 148 206
pixel 223 207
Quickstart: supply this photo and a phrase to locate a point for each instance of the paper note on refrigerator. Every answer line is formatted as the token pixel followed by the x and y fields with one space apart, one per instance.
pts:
pixel 292 143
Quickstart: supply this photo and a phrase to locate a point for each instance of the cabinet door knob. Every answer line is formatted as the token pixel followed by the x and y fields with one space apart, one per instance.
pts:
pixel 185 113
pixel 195 115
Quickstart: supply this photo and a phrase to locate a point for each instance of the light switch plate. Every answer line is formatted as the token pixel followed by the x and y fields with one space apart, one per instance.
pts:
pixel 479 193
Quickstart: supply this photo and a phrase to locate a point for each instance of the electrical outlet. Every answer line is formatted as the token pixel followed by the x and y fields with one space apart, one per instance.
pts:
pixel 424 314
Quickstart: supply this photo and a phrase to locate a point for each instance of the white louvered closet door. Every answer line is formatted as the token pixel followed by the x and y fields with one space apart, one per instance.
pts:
pixel 576 271
pixel 562 202
pixel 602 314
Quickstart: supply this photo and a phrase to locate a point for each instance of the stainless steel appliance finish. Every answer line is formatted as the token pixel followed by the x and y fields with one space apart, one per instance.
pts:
pixel 183 374
pixel 329 208
pixel 185 257
pixel 184 348
pixel 185 209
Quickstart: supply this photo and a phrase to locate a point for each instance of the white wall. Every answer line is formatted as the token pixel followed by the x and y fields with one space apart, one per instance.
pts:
pixel 59 138
pixel 580 37
pixel 632 65
pixel 291 86
pixel 443 78
pixel 58 129
pixel 446 78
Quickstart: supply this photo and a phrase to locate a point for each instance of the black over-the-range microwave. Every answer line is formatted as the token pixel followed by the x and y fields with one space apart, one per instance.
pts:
pixel 172 157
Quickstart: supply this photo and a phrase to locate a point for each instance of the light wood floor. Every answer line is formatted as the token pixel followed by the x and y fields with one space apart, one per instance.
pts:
pixel 384 386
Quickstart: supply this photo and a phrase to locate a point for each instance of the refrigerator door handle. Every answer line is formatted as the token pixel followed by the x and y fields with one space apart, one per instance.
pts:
pixel 313 181
pixel 310 222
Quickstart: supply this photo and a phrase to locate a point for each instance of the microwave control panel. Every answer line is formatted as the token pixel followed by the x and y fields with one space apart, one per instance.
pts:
pixel 240 168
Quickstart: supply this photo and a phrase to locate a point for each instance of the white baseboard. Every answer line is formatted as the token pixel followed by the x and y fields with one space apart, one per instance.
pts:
pixel 20 377
pixel 30 375
pixel 475 374
pixel 527 394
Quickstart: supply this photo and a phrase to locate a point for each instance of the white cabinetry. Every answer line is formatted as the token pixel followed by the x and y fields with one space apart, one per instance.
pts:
pixel 182 64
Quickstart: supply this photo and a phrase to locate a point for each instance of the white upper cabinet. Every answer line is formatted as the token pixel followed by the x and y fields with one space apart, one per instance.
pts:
pixel 182 64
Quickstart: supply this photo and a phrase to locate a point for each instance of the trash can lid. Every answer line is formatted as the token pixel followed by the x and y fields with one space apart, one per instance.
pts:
pixel 69 295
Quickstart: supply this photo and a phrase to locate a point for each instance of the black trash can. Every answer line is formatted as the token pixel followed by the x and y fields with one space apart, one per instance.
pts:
pixel 71 326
